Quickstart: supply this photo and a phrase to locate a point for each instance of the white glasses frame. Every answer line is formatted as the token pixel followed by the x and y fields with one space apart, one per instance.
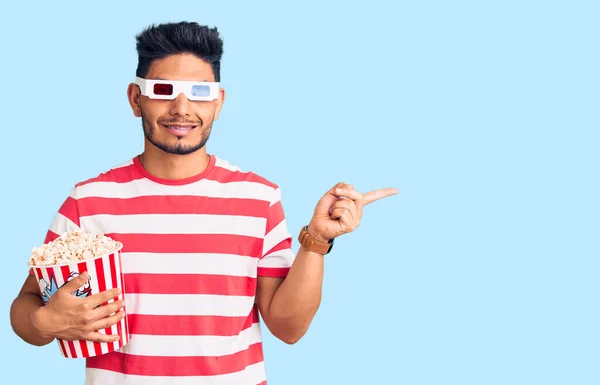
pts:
pixel 179 86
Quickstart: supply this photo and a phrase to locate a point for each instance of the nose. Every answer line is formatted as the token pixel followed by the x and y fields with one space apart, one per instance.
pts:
pixel 181 105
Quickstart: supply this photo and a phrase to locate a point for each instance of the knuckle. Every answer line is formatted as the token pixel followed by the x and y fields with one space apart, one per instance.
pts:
pixel 87 318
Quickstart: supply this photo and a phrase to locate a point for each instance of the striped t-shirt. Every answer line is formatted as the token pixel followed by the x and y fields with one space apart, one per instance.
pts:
pixel 192 251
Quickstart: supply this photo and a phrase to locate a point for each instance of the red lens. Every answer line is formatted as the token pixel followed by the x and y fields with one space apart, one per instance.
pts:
pixel 163 89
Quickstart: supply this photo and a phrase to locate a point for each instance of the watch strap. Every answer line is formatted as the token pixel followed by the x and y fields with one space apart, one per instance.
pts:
pixel 312 244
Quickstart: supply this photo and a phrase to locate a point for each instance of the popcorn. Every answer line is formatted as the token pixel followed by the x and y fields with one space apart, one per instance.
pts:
pixel 73 247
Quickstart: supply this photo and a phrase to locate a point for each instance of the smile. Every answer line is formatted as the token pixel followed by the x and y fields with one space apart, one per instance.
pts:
pixel 180 128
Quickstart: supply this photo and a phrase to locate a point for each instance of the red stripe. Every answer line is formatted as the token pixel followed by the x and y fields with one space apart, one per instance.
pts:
pixel 100 276
pixel 191 325
pixel 285 244
pixel 84 349
pixel 130 172
pixel 274 217
pixel 113 271
pixel 190 284
pixel 172 204
pixel 119 175
pixel 82 268
pixel 263 383
pixel 69 210
pixel 190 243
pixel 177 366
pixel 71 347
pixel 276 272
pixel 65 271
pixel 97 349
pixel 63 348
pixel 50 236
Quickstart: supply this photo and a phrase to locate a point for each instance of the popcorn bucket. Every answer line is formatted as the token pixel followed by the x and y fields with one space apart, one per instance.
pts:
pixel 104 273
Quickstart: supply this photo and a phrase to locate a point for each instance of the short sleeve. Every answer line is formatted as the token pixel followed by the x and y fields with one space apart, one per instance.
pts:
pixel 277 255
pixel 67 218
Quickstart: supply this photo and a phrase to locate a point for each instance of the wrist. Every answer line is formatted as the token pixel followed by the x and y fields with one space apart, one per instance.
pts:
pixel 311 231
pixel 312 241
pixel 36 317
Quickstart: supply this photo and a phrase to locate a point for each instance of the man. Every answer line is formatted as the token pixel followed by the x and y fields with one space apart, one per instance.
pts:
pixel 206 245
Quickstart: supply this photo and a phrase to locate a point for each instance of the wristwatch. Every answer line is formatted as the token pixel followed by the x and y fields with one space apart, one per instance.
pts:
pixel 312 244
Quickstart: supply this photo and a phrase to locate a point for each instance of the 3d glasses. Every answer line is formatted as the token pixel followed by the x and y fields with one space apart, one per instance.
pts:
pixel 169 89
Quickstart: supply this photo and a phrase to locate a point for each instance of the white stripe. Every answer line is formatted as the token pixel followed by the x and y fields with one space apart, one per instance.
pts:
pixel 276 196
pixel 195 263
pixel 281 258
pixel 62 224
pixel 78 351
pixel 204 187
pixel 275 236
pixel 62 345
pixel 174 224
pixel 129 162
pixel 109 285
pixel 95 288
pixel 182 346
pixel 124 337
pixel 253 374
pixel 189 304
pixel 226 165
pixel 46 277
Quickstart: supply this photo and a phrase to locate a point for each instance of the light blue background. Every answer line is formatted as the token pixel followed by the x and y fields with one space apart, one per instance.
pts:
pixel 483 270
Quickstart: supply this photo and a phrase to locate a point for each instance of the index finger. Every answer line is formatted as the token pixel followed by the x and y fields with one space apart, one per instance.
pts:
pixel 102 297
pixel 374 195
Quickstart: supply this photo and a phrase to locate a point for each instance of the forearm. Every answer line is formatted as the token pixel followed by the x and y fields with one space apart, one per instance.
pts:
pixel 297 300
pixel 20 318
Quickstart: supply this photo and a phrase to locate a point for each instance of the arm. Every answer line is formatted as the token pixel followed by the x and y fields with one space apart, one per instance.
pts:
pixel 64 315
pixel 289 305
pixel 27 302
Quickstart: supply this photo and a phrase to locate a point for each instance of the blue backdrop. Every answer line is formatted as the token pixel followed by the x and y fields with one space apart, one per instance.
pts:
pixel 482 270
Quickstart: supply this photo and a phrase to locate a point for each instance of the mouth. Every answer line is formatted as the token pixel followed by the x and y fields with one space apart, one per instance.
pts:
pixel 179 129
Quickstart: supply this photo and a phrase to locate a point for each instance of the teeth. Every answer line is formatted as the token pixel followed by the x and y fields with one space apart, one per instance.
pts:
pixel 179 128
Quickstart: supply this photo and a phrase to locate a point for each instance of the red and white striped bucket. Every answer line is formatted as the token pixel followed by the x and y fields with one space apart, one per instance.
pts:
pixel 105 272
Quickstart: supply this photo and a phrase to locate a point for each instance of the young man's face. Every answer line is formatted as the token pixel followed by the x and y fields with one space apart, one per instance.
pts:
pixel 177 126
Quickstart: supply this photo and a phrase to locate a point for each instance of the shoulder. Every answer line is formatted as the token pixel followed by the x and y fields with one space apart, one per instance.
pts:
pixel 225 172
pixel 121 173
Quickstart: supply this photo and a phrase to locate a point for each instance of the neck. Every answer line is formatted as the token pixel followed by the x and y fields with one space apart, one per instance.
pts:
pixel 173 167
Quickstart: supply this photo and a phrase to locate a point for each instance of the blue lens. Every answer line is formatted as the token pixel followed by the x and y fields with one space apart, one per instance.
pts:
pixel 200 91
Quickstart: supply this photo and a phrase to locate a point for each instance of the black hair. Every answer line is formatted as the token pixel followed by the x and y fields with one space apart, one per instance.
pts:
pixel 162 40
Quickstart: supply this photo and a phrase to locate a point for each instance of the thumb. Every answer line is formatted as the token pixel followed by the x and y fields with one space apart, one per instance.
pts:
pixel 74 284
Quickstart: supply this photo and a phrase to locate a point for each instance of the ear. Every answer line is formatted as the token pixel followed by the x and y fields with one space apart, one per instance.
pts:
pixel 220 102
pixel 133 95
